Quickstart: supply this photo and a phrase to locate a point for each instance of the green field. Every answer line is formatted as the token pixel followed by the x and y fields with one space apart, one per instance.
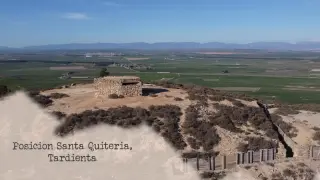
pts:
pixel 284 79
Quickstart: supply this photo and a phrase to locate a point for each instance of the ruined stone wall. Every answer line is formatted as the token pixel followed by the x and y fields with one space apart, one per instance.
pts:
pixel 106 87
pixel 114 85
pixel 131 90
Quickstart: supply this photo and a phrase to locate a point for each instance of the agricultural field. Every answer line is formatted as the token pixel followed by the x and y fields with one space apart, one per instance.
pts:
pixel 290 77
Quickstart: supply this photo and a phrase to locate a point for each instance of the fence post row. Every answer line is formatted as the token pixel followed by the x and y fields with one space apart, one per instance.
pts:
pixel 242 158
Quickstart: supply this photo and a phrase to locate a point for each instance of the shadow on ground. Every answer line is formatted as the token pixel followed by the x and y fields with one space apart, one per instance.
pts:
pixel 149 91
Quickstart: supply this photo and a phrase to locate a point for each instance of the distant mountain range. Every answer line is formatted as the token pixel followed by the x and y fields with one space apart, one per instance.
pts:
pixel 176 45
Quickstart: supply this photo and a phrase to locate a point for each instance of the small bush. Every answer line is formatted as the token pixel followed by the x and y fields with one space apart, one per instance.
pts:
pixel 178 99
pixel 286 110
pixel 316 128
pixel 59 115
pixel 213 175
pixel 58 95
pixel 217 98
pixel 316 136
pixel 44 101
pixel 113 96
pixel 193 143
pixel 4 90
pixel 238 103
pixel 256 143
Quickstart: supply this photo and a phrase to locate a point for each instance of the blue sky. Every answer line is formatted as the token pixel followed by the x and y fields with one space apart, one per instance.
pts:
pixel 37 22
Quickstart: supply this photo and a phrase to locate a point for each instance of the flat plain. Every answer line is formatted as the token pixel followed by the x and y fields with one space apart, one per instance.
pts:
pixel 287 76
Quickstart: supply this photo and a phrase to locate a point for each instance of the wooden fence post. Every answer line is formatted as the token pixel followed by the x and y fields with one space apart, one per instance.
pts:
pixel 213 163
pixel 250 157
pixel 185 165
pixel 198 162
pixel 311 152
pixel 243 157
pixel 210 164
pixel 261 155
pixel 238 158
pixel 224 162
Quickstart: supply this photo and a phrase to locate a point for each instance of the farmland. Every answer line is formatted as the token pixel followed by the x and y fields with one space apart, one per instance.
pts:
pixel 290 77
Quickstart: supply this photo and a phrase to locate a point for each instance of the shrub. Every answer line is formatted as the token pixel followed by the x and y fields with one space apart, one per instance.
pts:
pixel 237 103
pixel 4 90
pixel 178 99
pixel 316 128
pixel 44 101
pixel 113 96
pixel 104 72
pixel 59 115
pixel 217 98
pixel 242 147
pixel 127 117
pixel 33 93
pixel 256 143
pixel 58 95
pixel 213 175
pixel 193 143
pixel 316 136
pixel 286 110
pixel 204 132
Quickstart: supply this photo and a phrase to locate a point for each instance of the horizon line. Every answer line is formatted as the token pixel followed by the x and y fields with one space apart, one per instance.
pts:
pixel 136 42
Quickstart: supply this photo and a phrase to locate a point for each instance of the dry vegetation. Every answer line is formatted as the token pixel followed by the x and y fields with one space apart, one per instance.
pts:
pixel 163 119
pixel 4 91
pixel 256 143
pixel 213 175
pixel 115 96
pixel 43 100
pixel 300 171
pixel 286 109
pixel 58 95
pixel 316 135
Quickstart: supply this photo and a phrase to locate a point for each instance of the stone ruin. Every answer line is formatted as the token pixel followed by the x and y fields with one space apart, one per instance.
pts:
pixel 127 86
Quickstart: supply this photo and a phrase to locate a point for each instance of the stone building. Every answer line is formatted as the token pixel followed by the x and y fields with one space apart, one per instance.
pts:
pixel 127 86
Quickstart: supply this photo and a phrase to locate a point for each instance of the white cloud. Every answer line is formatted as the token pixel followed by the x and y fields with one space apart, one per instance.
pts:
pixel 76 16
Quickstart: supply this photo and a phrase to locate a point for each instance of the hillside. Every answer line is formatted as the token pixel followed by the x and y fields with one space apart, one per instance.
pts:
pixel 194 120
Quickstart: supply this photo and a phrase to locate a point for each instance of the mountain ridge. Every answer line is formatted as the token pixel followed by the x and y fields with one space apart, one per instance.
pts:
pixel 306 45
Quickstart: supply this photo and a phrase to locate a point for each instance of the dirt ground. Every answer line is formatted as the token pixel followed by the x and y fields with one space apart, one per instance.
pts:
pixel 82 97
pixel 305 121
